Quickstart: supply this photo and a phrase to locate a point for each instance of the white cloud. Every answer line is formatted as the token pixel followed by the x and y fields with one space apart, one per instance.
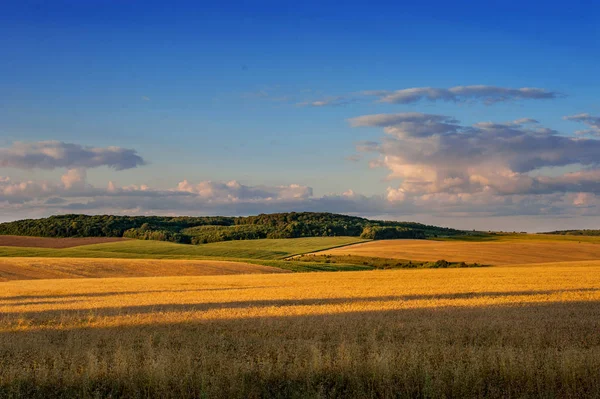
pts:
pixel 235 191
pixel 583 199
pixel 592 121
pixel 57 154
pixel 435 155
pixel 328 101
pixel 73 194
pixel 74 178
pixel 487 94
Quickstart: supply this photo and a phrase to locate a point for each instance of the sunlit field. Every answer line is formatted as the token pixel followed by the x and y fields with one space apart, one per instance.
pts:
pixel 61 268
pixel 518 331
pixel 518 249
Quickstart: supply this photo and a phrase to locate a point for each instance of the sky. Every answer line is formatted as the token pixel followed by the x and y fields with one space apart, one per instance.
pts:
pixel 473 115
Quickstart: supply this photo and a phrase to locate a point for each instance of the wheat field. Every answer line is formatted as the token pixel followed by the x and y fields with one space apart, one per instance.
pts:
pixel 12 268
pixel 518 331
pixel 531 249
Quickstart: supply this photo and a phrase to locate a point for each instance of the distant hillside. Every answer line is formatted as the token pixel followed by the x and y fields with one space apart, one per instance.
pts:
pixel 575 232
pixel 198 230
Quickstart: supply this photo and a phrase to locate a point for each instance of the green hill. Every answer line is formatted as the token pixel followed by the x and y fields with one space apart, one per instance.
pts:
pixel 202 230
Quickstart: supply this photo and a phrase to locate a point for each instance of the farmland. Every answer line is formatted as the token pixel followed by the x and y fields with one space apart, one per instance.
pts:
pixel 136 318
pixel 516 249
pixel 12 268
pixel 524 330
pixel 47 242
pixel 249 249
pixel 130 258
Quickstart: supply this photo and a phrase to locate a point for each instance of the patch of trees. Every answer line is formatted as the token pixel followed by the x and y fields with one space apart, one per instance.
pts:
pixel 104 225
pixel 380 263
pixel 575 232
pixel 389 233
pixel 207 234
pixel 198 230
pixel 307 224
pixel 145 232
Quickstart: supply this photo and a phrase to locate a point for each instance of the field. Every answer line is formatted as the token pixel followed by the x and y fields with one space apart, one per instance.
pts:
pixel 117 258
pixel 250 249
pixel 62 268
pixel 170 320
pixel 45 242
pixel 520 331
pixel 518 249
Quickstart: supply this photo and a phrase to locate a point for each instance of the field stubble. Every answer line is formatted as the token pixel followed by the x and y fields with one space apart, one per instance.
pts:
pixel 485 332
pixel 62 268
pixel 512 250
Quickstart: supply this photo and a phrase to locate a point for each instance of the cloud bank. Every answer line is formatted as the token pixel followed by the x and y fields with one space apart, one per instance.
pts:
pixel 73 194
pixel 438 169
pixel 435 157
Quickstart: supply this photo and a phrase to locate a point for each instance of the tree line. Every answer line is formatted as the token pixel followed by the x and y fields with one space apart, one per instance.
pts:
pixel 205 229
pixel 575 232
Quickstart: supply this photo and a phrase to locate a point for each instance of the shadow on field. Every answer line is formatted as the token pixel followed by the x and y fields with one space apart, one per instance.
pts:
pixel 278 303
pixel 538 350
pixel 114 293
pixel 572 316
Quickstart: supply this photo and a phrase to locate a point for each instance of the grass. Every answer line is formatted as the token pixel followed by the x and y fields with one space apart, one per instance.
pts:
pixel 250 249
pixel 506 250
pixel 244 249
pixel 257 252
pixel 380 263
pixel 519 331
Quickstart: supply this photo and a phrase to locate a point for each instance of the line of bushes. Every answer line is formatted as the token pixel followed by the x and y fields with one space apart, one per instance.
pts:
pixel 389 233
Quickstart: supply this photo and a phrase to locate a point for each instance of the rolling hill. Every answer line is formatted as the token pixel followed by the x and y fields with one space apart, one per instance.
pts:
pixel 201 230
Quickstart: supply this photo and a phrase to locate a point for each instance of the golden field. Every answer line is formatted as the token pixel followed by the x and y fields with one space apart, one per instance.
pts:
pixel 15 268
pixel 518 331
pixel 532 249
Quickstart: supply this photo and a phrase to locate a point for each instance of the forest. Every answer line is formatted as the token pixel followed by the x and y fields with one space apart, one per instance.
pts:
pixel 206 229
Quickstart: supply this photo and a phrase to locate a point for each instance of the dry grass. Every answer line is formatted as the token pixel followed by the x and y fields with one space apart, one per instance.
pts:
pixel 488 253
pixel 520 331
pixel 67 268
pixel 45 242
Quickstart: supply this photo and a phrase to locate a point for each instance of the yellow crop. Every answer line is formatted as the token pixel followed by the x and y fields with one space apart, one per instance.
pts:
pixel 522 330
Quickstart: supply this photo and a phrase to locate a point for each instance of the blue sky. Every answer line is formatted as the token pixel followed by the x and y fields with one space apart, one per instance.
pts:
pixel 219 92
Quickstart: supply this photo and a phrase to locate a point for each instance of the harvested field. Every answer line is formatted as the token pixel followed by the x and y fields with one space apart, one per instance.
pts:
pixel 46 242
pixel 67 268
pixel 487 253
pixel 519 331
